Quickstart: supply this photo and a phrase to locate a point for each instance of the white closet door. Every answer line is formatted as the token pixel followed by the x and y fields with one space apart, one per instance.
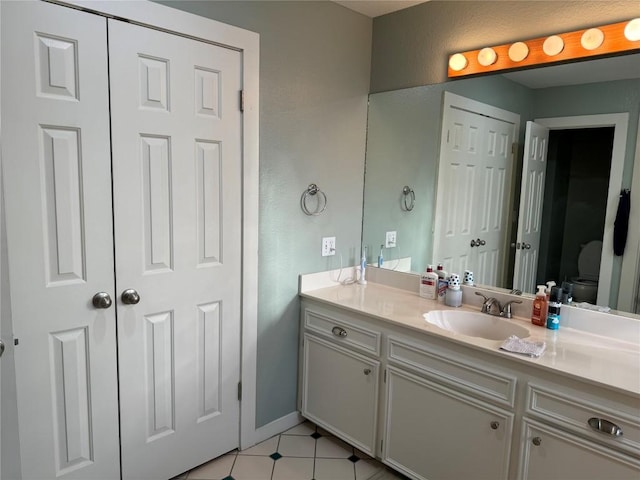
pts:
pixel 57 187
pixel 177 207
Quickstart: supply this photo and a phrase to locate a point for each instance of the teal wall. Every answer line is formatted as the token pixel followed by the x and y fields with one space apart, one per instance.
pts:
pixel 314 82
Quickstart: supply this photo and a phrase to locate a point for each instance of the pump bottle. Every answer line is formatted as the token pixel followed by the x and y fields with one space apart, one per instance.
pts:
pixel 540 305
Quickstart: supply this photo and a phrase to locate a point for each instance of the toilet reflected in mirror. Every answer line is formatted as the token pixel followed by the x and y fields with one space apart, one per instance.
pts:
pixel 585 285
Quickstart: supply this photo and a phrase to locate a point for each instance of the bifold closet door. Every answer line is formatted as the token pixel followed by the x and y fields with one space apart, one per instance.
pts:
pixel 57 190
pixel 176 139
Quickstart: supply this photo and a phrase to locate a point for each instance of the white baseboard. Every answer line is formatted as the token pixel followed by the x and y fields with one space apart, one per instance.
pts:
pixel 276 427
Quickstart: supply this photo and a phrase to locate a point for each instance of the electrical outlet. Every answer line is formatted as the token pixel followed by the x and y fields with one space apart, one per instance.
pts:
pixel 328 246
pixel 390 241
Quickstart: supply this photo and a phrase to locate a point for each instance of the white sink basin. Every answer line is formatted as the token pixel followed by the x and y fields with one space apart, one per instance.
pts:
pixel 475 324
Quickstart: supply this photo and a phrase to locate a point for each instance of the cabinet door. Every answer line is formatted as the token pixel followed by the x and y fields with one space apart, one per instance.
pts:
pixel 433 432
pixel 340 391
pixel 550 454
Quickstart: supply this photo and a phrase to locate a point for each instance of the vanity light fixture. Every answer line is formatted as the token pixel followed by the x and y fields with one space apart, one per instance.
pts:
pixel 598 41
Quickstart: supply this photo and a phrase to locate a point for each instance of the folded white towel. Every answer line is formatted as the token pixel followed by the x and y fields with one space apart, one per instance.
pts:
pixel 590 306
pixel 518 345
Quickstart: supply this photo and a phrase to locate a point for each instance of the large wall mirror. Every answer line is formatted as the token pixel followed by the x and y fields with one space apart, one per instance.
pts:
pixel 591 109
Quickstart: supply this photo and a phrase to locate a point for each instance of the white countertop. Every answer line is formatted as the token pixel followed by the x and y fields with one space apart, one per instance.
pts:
pixel 603 360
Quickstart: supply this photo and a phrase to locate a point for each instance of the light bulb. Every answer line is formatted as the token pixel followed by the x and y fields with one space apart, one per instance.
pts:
pixel 458 62
pixel 553 45
pixel 487 56
pixel 632 30
pixel 592 38
pixel 518 51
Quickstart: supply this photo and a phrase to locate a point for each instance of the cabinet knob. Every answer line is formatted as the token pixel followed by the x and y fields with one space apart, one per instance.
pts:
pixel 367 371
pixel 339 332
pixel 101 300
pixel 537 441
pixel 494 425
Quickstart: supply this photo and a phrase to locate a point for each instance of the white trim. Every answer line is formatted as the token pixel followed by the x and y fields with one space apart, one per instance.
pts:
pixel 620 123
pixel 176 21
pixel 628 296
pixel 276 427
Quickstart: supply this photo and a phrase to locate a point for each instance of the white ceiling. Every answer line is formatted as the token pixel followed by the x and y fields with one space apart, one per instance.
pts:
pixel 375 8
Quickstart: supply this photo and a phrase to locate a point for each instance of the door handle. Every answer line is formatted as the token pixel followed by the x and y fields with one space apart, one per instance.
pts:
pixel 1 348
pixel 101 300
pixel 526 246
pixel 130 297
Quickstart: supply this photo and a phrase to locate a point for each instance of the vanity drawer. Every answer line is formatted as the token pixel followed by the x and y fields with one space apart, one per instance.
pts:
pixel 343 331
pixel 574 412
pixel 463 374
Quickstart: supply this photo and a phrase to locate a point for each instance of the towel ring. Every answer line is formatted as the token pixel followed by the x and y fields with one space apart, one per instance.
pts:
pixel 312 191
pixel 407 192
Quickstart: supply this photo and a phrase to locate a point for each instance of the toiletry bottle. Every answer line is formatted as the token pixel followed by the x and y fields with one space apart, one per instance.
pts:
pixel 540 305
pixel 555 302
pixel 380 257
pixel 550 285
pixel 453 295
pixel 443 282
pixel 429 284
pixel 363 267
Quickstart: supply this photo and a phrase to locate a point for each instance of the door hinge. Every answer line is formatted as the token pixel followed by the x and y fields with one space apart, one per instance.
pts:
pixel 239 391
pixel 242 100
pixel 381 445
pixel 448 131
pixel 385 376
pixel 513 147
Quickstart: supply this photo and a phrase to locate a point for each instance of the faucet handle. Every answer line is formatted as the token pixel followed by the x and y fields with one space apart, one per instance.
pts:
pixel 485 307
pixel 506 308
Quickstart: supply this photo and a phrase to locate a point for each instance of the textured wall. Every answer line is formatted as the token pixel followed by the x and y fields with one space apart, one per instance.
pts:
pixel 411 46
pixel 314 81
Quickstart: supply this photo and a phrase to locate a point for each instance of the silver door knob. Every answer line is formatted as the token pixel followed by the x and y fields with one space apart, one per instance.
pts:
pixel 367 371
pixel 526 246
pixel 494 425
pixel 537 441
pixel 101 300
pixel 130 297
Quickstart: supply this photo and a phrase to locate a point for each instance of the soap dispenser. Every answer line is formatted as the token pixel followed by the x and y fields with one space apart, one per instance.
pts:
pixel 540 305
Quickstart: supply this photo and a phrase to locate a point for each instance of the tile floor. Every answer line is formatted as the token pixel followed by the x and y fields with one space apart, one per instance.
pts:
pixel 304 452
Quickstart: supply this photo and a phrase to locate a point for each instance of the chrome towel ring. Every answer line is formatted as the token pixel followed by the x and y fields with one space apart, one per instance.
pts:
pixel 408 194
pixel 321 200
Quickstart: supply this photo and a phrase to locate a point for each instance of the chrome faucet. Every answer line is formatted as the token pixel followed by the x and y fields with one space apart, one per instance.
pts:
pixel 502 311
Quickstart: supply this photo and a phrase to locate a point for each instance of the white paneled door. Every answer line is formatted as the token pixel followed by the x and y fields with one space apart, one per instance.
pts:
pixel 534 168
pixel 57 188
pixel 176 124
pixel 163 361
pixel 474 184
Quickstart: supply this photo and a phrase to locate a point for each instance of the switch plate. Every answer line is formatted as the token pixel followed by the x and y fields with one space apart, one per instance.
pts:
pixel 390 241
pixel 328 246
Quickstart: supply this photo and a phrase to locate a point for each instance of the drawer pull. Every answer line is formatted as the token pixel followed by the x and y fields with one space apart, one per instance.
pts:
pixel 537 441
pixel 605 426
pixel 339 332
pixel 367 371
pixel 494 425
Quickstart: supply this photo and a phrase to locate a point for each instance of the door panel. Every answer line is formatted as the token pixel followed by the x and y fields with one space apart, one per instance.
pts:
pixel 57 186
pixel 177 212
pixel 534 169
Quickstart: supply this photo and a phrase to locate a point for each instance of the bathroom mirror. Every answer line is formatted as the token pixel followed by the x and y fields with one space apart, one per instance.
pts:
pixel 403 149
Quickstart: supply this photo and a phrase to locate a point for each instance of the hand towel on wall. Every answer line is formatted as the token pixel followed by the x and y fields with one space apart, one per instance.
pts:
pixel 621 225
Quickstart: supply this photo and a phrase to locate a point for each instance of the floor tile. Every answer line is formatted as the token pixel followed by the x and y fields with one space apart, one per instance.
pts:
pixel 332 447
pixel 324 433
pixel 215 469
pixel 288 468
pixel 251 467
pixel 297 446
pixel 367 468
pixel 264 448
pixel 305 428
pixel 334 469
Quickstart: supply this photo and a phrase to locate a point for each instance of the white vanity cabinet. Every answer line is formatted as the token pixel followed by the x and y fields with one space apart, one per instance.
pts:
pixel 340 378
pixel 578 434
pixel 433 408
